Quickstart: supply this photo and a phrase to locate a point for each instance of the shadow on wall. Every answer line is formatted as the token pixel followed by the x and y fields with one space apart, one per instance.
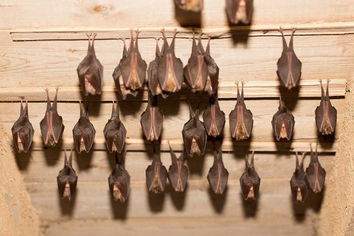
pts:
pixel 314 202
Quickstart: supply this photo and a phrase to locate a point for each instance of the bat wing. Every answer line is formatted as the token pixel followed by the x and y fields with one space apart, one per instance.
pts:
pixel 58 126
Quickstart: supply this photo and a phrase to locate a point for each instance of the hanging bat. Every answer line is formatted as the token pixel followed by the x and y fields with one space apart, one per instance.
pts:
pixel 153 82
pixel 239 11
pixel 212 82
pixel 178 172
pixel 119 180
pixel 283 123
pixel 326 114
pixel 22 130
pixel 67 179
pixel 90 70
pixel 241 119
pixel 194 135
pixel 289 66
pixel 156 174
pixel 115 132
pixel 250 180
pixel 298 183
pixel 190 5
pixel 152 120
pixel 83 132
pixel 218 175
pixel 170 68
pixel 315 174
pixel 130 74
pixel 214 118
pixel 51 125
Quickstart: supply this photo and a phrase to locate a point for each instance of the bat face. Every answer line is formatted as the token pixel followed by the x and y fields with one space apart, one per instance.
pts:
pixel 214 118
pixel 152 120
pixel 83 132
pixel 178 172
pixel 170 68
pixel 90 70
pixel 241 119
pixel 218 175
pixel 153 82
pixel 194 135
pixel 67 179
pixel 51 125
pixel 326 114
pixel 315 174
pixel 239 11
pixel 156 175
pixel 250 180
pixel 190 5
pixel 283 123
pixel 298 183
pixel 115 133
pixel 130 74
pixel 119 182
pixel 22 130
pixel 289 66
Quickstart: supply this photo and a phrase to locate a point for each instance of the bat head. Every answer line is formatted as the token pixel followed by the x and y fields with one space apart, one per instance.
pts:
pixel 152 120
pixel 250 181
pixel 119 182
pixel 83 132
pixel 190 5
pixel 239 11
pixel 218 175
pixel 22 130
pixel 283 123
pixel 115 132
pixel 315 174
pixel 90 70
pixel 67 179
pixel 156 175
pixel 298 183
pixel 178 172
pixel 214 118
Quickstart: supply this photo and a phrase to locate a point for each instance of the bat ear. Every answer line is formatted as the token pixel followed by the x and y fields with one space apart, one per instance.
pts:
pixel 26 108
pixel 49 105
pixel 131 46
pixel 322 90
pixel 291 44
pixel 327 90
pixel 242 85
pixel 200 45
pixel 164 38
pixel 172 46
pixel 285 45
pixel 55 99
pixel 137 32
pixel 21 109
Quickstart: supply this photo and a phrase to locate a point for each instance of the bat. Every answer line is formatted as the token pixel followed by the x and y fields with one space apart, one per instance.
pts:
pixel 190 5
pixel 130 73
pixel 67 179
pixel 218 175
pixel 152 120
pixel 250 180
pixel 326 114
pixel 194 135
pixel 170 68
pixel 178 172
pixel 214 118
pixel 83 132
pixel 156 174
pixel 153 82
pixel 51 125
pixel 90 70
pixel 289 66
pixel 283 123
pixel 115 132
pixel 212 83
pixel 298 183
pixel 241 119
pixel 119 180
pixel 239 11
pixel 22 130
pixel 315 174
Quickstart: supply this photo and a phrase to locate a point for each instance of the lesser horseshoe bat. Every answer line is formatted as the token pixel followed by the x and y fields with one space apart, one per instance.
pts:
pixel 156 173
pixel 130 74
pixel 239 11
pixel 250 180
pixel 115 132
pixel 289 66
pixel 83 132
pixel 153 82
pixel 214 118
pixel 241 119
pixel 51 125
pixel 178 172
pixel 326 114
pixel 218 175
pixel 90 70
pixel 119 180
pixel 190 5
pixel 152 120
pixel 315 174
pixel 22 130
pixel 283 122
pixel 298 183
pixel 67 179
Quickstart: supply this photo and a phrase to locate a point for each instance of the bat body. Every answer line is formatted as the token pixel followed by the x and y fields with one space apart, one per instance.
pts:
pixel 156 174
pixel 90 70
pixel 152 120
pixel 326 114
pixel 115 132
pixel 178 172
pixel 298 183
pixel 214 118
pixel 83 132
pixel 283 123
pixel 218 175
pixel 67 179
pixel 153 82
pixel 315 174
pixel 190 5
pixel 289 66
pixel 250 180
pixel 239 11
pixel 119 181
pixel 22 131
pixel 130 74
pixel 241 119
pixel 51 125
